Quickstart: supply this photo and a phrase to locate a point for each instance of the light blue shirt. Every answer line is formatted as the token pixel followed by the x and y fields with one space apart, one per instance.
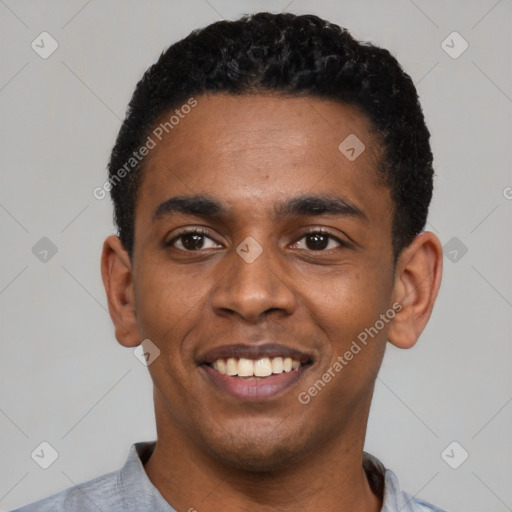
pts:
pixel 130 490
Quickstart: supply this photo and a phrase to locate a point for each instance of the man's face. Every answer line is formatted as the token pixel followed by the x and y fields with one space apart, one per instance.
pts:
pixel 254 284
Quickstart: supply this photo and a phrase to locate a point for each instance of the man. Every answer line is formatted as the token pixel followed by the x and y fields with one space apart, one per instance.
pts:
pixel 270 182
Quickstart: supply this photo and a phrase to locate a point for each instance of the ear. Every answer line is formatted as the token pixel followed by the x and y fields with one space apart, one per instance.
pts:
pixel 116 272
pixel 417 280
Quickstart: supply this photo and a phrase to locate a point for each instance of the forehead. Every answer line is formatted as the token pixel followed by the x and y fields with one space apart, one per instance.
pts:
pixel 260 147
pixel 239 121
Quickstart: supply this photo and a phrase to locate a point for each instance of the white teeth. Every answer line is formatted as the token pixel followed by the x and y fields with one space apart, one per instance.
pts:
pixel 231 366
pixel 245 367
pixel 263 367
pixel 277 365
pixel 221 365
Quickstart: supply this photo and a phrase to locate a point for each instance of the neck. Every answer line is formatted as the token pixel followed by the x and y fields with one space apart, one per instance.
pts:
pixel 330 479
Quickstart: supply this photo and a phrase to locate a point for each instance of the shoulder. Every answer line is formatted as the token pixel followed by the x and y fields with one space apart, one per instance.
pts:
pixel 397 499
pixel 417 505
pixel 86 496
pixel 384 483
pixel 126 489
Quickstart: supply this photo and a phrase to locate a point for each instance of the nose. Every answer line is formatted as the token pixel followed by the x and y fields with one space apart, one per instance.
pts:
pixel 252 288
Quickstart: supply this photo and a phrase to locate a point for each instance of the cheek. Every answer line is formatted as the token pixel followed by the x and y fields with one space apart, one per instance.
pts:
pixel 347 372
pixel 350 304
pixel 167 302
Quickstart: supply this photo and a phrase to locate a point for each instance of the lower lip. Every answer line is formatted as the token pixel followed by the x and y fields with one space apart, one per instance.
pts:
pixel 254 390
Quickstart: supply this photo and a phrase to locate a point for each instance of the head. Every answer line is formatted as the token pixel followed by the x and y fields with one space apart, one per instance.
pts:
pixel 284 55
pixel 306 241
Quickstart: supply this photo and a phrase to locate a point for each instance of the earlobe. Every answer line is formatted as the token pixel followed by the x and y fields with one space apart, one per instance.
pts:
pixel 116 272
pixel 417 281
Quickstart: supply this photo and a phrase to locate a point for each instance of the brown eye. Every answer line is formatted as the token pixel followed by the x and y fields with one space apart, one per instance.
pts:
pixel 192 241
pixel 317 241
pixel 320 241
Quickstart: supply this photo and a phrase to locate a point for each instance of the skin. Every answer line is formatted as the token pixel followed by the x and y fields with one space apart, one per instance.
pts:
pixel 215 452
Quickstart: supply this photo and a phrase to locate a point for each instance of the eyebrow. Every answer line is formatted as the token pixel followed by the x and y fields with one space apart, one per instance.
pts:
pixel 303 205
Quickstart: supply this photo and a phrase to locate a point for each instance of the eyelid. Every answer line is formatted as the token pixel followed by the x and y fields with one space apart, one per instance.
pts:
pixel 190 231
pixel 310 231
pixel 323 231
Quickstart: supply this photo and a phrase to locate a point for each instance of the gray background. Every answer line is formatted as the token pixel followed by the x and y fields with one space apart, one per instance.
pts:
pixel 63 377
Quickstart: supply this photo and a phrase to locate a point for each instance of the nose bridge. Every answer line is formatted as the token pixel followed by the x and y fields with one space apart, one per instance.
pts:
pixel 251 284
pixel 251 274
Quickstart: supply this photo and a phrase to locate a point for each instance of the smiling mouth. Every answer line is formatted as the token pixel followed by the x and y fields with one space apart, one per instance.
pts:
pixel 253 369
pixel 250 372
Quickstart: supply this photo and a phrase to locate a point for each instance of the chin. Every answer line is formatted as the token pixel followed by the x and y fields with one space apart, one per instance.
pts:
pixel 262 451
pixel 258 458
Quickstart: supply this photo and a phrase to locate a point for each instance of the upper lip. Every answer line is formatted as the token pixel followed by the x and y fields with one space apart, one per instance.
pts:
pixel 253 352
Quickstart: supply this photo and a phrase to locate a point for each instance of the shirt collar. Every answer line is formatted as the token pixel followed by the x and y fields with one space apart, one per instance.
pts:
pixel 138 492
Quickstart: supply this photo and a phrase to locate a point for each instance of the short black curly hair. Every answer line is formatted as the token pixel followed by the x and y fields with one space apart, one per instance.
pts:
pixel 290 55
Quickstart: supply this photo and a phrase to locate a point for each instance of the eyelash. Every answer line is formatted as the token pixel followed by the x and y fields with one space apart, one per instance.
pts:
pixel 199 231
